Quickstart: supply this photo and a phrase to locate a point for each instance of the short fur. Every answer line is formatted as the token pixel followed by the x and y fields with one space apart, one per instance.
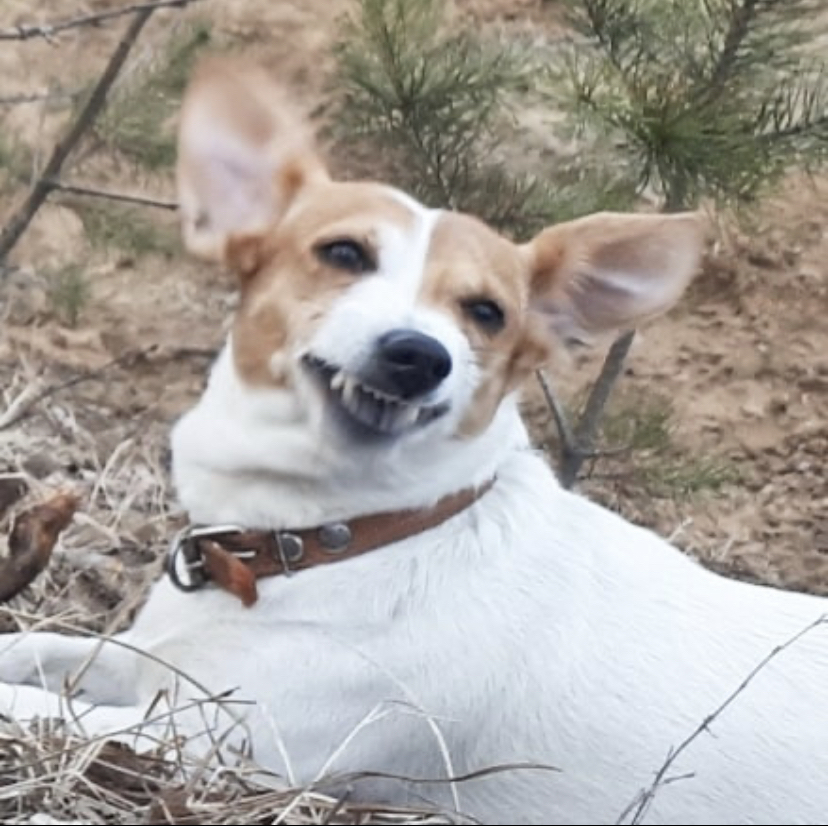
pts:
pixel 535 627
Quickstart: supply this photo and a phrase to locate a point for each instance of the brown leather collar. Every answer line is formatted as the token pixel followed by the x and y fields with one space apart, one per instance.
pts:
pixel 234 558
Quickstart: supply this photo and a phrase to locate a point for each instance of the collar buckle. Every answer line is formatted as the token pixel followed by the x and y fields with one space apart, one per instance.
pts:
pixel 185 563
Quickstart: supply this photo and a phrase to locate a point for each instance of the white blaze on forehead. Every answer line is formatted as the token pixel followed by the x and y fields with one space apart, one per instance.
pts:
pixel 403 254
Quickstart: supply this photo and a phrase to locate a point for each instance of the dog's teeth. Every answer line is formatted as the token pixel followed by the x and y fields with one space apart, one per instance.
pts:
pixel 388 418
pixel 349 389
pixel 395 418
pixel 409 415
pixel 338 380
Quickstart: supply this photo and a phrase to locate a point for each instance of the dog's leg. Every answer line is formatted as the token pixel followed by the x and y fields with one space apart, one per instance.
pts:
pixel 22 705
pixel 191 734
pixel 95 670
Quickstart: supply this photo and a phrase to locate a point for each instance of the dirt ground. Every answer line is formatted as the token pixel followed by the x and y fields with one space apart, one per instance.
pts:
pixel 104 343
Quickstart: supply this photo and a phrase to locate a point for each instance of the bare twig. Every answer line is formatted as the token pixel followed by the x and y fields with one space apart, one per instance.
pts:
pixel 37 97
pixel 573 452
pixel 19 411
pixel 49 30
pixel 21 219
pixel 584 435
pixel 75 189
pixel 48 181
pixel 638 808
pixel 565 433
pixel 610 371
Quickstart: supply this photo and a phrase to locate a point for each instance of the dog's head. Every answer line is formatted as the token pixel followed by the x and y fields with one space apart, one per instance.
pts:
pixel 389 320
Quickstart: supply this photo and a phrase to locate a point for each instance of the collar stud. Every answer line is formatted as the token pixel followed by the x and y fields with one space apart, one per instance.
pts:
pixel 334 537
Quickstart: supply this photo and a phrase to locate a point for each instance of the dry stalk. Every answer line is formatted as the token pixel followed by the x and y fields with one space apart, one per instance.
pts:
pixel 580 444
pixel 37 97
pixel 49 30
pixel 637 810
pixel 123 197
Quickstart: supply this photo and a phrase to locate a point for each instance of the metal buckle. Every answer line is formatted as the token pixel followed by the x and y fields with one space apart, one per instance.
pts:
pixel 184 558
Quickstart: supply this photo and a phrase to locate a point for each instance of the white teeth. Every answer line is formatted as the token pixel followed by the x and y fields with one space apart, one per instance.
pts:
pixel 338 380
pixel 349 388
pixel 409 415
pixel 378 394
pixel 388 418
pixel 374 407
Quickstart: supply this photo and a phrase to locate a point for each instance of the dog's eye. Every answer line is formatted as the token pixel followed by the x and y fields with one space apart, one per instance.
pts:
pixel 346 254
pixel 485 313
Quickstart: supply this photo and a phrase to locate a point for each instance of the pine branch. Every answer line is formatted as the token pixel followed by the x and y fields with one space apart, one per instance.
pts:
pixel 612 24
pixel 428 99
pixel 741 16
pixel 49 30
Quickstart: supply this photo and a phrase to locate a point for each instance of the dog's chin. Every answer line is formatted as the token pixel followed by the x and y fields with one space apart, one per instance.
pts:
pixel 364 413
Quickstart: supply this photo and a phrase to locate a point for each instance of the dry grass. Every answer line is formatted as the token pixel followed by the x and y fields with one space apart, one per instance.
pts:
pixel 68 291
pixel 49 775
pixel 61 430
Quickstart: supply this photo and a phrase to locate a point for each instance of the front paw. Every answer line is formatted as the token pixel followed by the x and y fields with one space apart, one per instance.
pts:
pixel 19 660
pixel 40 659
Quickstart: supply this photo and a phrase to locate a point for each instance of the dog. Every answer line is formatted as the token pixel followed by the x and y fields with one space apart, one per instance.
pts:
pixel 385 583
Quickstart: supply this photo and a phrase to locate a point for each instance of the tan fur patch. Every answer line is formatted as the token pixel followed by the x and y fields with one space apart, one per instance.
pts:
pixel 288 294
pixel 468 260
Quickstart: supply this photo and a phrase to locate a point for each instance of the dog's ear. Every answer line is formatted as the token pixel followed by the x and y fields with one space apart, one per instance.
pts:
pixel 611 271
pixel 243 154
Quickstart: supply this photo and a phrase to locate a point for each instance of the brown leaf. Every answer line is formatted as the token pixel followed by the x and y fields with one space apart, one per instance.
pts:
pixel 31 541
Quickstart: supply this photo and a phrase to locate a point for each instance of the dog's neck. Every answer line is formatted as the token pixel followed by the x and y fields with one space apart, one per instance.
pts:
pixel 256 458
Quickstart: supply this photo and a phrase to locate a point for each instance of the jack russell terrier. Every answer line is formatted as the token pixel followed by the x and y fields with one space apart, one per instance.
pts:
pixel 386 584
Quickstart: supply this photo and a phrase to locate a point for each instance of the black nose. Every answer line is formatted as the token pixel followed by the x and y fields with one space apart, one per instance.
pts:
pixel 409 364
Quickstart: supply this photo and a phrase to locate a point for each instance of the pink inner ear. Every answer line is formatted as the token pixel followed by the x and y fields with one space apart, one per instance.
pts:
pixel 225 184
pixel 235 186
pixel 610 272
pixel 237 136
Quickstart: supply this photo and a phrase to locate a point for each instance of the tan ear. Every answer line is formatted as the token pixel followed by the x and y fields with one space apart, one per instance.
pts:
pixel 243 154
pixel 611 271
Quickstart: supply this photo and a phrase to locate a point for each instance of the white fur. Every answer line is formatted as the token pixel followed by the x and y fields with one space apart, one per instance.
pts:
pixel 534 627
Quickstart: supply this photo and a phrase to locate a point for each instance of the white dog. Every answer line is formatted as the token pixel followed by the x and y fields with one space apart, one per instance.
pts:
pixel 451 608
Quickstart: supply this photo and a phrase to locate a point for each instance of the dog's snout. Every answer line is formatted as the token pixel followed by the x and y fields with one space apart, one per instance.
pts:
pixel 411 364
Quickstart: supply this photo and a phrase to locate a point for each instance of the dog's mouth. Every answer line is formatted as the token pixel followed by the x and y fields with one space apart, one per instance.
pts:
pixel 366 409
